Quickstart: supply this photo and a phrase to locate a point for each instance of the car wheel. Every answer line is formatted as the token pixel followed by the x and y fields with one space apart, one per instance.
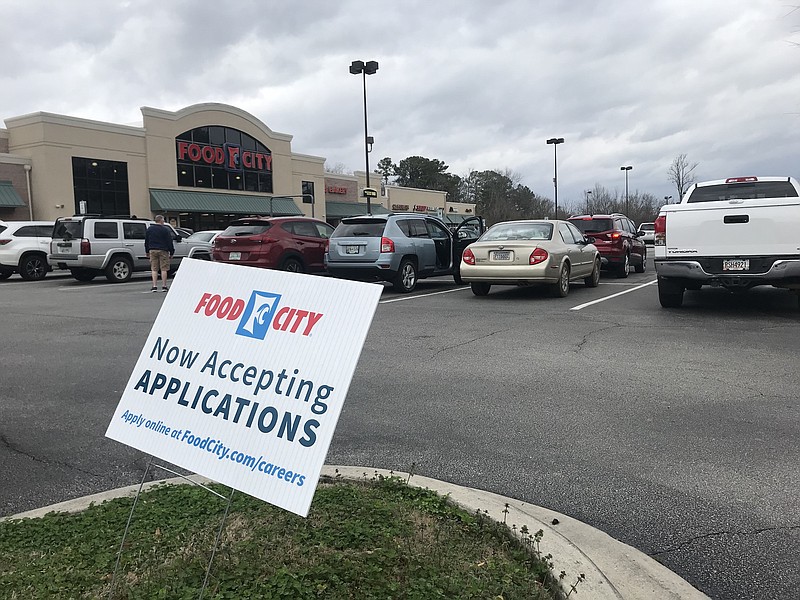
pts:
pixel 594 279
pixel 119 270
pixel 33 267
pixel 457 277
pixel 561 287
pixel 292 265
pixel 670 293
pixel 641 268
pixel 624 267
pixel 480 289
pixel 83 274
pixel 5 274
pixel 406 279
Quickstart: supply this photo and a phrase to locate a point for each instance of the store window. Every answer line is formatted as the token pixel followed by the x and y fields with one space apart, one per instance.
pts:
pixel 102 184
pixel 223 158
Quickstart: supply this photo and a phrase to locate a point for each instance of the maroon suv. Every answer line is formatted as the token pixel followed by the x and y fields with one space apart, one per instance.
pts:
pixel 287 243
pixel 617 239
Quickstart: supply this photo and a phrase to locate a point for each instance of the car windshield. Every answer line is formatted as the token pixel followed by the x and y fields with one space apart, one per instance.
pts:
pixel 518 231
pixel 359 228
pixel 593 225
pixel 201 236
pixel 67 229
pixel 245 229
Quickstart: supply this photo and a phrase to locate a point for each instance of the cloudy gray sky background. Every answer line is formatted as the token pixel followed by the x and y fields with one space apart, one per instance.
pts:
pixel 477 84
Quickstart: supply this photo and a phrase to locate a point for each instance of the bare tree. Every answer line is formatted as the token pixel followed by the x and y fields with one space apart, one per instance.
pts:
pixel 681 174
pixel 337 169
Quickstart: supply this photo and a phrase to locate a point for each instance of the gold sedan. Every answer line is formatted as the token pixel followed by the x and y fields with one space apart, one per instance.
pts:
pixel 531 252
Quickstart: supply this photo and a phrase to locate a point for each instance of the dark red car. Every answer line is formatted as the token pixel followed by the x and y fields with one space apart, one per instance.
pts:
pixel 286 243
pixel 617 239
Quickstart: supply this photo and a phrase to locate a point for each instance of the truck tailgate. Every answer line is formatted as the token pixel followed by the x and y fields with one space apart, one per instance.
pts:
pixel 744 228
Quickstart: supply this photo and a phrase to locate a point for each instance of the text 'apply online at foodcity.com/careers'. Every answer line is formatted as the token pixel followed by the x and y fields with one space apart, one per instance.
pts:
pixel 242 379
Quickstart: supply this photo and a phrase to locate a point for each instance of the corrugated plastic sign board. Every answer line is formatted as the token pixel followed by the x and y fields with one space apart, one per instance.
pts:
pixel 244 375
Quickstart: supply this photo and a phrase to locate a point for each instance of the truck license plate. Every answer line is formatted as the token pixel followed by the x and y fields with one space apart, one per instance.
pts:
pixel 501 255
pixel 351 249
pixel 235 256
pixel 63 250
pixel 736 264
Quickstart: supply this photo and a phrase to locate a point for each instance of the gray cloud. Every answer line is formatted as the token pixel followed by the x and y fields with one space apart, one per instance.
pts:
pixel 477 85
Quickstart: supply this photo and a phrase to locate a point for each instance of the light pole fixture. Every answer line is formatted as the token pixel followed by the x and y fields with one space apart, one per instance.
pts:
pixel 588 195
pixel 365 68
pixel 667 199
pixel 555 142
pixel 626 169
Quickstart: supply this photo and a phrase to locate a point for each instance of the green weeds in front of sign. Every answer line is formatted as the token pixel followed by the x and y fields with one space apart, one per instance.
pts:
pixel 371 539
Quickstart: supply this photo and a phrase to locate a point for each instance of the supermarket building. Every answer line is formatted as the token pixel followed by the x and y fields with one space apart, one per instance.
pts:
pixel 201 167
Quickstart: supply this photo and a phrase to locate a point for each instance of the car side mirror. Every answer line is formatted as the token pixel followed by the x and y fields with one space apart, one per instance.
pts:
pixel 588 240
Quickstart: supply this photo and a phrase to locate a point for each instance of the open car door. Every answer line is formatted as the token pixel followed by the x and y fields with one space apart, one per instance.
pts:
pixel 467 232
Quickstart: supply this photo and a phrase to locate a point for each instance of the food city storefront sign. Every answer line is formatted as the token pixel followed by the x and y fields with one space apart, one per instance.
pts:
pixel 244 375
pixel 231 156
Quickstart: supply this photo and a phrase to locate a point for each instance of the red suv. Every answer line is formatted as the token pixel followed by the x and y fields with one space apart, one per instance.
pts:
pixel 286 243
pixel 617 239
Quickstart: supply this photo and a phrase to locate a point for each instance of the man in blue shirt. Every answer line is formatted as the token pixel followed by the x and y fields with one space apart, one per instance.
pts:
pixel 159 247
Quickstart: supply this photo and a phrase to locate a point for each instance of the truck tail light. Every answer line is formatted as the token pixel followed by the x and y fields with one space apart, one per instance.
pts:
pixel 660 237
pixel 387 245
pixel 4 242
pixel 537 256
pixel 468 257
pixel 86 247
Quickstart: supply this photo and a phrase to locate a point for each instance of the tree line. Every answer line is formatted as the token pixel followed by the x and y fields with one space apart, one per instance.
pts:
pixel 500 196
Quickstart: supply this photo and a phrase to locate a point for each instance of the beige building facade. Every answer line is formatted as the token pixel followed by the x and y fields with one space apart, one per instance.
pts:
pixel 202 166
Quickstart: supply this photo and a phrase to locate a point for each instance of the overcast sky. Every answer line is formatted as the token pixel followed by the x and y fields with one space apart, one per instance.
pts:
pixel 477 84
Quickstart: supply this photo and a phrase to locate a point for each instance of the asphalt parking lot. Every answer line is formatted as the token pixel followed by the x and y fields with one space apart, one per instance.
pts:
pixel 676 431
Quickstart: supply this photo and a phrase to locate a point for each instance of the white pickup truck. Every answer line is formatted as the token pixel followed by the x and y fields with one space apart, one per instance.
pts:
pixel 736 233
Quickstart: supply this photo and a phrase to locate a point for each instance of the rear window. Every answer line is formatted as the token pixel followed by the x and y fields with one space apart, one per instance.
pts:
pixel 742 191
pixel 518 231
pixel 245 229
pixel 68 229
pixel 3 228
pixel 593 225
pixel 359 228
pixel 647 227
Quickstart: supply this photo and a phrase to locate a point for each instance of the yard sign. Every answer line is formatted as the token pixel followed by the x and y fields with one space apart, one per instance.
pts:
pixel 244 374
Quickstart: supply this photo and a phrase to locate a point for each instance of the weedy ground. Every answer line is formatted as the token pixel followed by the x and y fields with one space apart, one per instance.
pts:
pixel 377 538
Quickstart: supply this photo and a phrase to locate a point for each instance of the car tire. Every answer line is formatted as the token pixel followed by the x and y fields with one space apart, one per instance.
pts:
pixel 670 293
pixel 561 287
pixel 480 289
pixel 292 265
pixel 624 267
pixel 457 277
pixel 83 274
pixel 5 274
pixel 119 270
pixel 33 267
pixel 640 268
pixel 593 280
pixel 406 279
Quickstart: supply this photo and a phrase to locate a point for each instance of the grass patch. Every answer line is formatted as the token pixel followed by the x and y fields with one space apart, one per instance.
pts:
pixel 371 539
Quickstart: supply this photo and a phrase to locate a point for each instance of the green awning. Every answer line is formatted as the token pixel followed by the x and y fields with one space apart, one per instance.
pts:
pixel 221 202
pixel 9 196
pixel 339 210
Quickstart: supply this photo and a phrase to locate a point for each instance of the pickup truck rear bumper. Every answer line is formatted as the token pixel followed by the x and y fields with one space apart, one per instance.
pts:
pixel 781 272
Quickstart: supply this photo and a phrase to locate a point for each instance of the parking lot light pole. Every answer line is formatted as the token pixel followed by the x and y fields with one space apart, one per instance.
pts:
pixel 588 195
pixel 365 68
pixel 626 169
pixel 555 142
pixel 667 199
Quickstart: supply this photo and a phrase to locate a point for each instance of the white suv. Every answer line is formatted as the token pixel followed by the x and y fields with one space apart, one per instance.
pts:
pixel 23 249
pixel 89 245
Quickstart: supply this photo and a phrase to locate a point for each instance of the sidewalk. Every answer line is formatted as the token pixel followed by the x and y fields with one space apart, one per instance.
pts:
pixel 614 571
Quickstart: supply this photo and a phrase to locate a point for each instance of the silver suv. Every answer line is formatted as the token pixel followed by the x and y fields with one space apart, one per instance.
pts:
pixel 399 248
pixel 90 245
pixel 23 249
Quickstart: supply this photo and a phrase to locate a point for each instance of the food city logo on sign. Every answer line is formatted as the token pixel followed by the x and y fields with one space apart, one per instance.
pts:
pixel 256 316
pixel 231 156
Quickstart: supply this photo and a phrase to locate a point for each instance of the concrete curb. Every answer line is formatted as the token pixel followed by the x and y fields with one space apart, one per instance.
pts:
pixel 614 571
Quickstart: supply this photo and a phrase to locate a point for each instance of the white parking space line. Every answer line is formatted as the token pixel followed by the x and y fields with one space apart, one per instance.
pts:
pixel 638 287
pixel 461 289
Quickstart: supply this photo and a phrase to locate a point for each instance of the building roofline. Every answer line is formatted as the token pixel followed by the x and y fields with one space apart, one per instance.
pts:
pixel 69 121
